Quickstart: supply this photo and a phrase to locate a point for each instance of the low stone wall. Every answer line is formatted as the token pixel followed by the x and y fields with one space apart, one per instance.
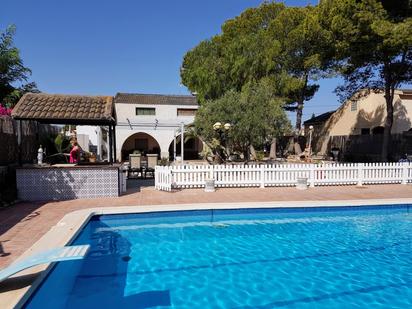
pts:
pixel 66 183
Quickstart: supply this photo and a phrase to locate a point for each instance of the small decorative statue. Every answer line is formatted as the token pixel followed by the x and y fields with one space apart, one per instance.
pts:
pixel 40 156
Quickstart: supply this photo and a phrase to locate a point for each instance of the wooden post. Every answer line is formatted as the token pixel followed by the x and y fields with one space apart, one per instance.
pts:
pixel 174 148
pixel 114 143
pixel 182 142
pixel 19 139
pixel 110 144
pixel 99 143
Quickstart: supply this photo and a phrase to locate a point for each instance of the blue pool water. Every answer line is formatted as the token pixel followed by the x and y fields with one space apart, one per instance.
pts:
pixel 266 258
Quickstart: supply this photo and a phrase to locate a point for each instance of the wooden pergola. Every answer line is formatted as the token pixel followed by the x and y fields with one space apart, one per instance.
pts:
pixel 69 109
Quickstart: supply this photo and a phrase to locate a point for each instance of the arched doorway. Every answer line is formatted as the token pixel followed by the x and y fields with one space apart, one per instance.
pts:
pixel 192 148
pixel 139 143
pixel 378 130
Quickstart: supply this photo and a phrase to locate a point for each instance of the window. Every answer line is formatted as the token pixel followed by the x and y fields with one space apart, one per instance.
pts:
pixel 145 111
pixel 365 131
pixel 186 111
pixel 354 106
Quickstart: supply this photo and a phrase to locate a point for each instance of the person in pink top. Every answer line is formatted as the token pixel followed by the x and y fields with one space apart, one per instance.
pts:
pixel 75 152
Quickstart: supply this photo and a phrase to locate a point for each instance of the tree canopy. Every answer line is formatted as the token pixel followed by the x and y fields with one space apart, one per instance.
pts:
pixel 255 114
pixel 285 44
pixel 229 60
pixel 373 48
pixel 305 55
pixel 13 74
pixel 367 42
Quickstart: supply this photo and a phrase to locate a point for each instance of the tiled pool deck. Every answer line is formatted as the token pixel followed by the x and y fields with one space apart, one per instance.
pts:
pixel 23 224
pixel 27 229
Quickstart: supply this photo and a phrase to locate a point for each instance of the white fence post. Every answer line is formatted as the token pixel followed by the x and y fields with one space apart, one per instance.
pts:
pixel 211 176
pixel 360 174
pixel 157 176
pixel 312 176
pixel 405 173
pixel 262 176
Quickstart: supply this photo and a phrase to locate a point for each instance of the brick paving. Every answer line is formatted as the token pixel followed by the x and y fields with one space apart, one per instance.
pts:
pixel 23 224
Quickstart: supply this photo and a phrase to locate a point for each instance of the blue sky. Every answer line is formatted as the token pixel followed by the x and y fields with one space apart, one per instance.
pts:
pixel 104 47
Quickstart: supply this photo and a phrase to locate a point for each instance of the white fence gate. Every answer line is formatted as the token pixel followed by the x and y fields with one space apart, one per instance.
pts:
pixel 163 178
pixel 194 176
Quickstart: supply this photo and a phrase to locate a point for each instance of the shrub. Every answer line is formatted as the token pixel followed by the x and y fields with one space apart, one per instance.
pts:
pixel 5 111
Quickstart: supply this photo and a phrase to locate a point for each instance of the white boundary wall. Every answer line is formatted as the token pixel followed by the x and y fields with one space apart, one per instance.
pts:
pixel 194 176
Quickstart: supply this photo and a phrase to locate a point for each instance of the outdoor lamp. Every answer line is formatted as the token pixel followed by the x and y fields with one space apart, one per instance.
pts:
pixel 227 126
pixel 217 126
pixel 310 140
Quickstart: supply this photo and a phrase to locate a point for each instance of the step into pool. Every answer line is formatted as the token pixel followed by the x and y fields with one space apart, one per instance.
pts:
pixel 326 257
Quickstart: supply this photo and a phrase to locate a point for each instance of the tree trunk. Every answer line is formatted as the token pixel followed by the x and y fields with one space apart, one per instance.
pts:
pixel 300 101
pixel 246 152
pixel 299 113
pixel 298 126
pixel 252 152
pixel 389 93
pixel 272 153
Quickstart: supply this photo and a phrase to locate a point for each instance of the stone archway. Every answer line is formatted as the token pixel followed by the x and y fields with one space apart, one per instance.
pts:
pixel 192 148
pixel 139 142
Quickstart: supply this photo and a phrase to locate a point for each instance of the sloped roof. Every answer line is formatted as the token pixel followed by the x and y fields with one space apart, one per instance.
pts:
pixel 321 118
pixel 156 99
pixel 65 109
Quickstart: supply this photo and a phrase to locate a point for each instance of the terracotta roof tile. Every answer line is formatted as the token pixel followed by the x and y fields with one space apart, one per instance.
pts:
pixel 156 99
pixel 321 118
pixel 56 108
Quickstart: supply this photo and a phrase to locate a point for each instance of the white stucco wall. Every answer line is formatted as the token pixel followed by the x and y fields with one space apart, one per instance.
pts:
pixel 161 127
pixel 90 131
pixel 92 135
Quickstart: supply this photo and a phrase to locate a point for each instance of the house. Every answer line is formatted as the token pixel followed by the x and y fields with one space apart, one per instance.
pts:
pixel 361 115
pixel 94 139
pixel 148 123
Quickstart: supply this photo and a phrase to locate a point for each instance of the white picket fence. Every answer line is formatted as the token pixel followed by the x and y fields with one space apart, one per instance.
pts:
pixel 194 176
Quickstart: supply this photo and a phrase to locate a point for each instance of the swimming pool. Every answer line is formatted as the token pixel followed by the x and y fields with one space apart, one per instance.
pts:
pixel 350 257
